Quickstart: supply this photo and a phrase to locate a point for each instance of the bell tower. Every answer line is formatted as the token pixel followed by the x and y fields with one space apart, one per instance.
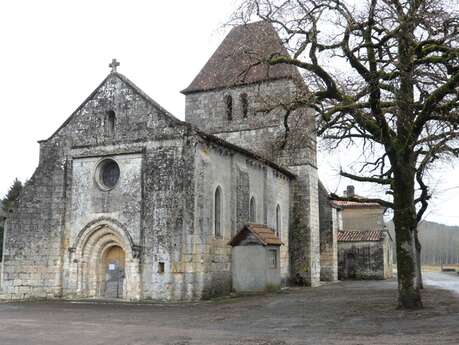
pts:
pixel 245 102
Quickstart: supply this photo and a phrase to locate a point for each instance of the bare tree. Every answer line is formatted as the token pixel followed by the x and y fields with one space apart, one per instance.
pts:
pixel 382 75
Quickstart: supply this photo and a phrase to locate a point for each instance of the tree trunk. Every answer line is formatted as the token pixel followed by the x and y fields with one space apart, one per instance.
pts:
pixel 418 260
pixel 405 232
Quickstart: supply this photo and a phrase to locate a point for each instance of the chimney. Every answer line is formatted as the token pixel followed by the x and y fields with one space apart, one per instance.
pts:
pixel 350 191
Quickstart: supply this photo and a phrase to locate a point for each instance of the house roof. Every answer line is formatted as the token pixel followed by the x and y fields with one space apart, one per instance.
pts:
pixel 355 204
pixel 264 234
pixel 360 236
pixel 237 60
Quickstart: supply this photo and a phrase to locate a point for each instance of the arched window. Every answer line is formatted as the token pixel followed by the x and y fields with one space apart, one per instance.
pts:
pixel 278 221
pixel 110 119
pixel 253 210
pixel 229 107
pixel 218 212
pixel 244 104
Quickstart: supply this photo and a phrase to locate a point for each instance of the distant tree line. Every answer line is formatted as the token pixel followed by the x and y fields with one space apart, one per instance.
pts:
pixel 440 243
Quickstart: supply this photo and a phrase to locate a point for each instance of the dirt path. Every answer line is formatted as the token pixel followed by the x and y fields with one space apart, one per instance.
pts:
pixel 340 313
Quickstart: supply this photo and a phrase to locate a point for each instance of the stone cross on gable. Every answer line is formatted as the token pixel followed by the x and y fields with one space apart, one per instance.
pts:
pixel 113 65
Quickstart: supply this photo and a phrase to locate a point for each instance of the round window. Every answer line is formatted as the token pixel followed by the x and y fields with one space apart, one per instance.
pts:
pixel 108 173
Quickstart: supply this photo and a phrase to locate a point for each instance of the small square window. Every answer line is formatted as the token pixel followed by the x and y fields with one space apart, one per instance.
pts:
pixel 161 267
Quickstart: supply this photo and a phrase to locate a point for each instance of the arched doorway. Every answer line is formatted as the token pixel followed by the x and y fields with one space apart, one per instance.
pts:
pixel 113 265
pixel 105 263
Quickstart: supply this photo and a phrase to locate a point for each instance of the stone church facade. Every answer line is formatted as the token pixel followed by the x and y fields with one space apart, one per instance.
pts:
pixel 130 202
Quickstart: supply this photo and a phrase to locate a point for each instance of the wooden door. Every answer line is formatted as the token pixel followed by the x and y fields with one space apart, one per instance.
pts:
pixel 114 262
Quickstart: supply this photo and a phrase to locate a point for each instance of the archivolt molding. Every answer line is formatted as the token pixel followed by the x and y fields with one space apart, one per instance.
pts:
pixel 112 231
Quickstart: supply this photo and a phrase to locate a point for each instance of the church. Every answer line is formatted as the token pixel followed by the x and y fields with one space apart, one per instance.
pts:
pixel 129 202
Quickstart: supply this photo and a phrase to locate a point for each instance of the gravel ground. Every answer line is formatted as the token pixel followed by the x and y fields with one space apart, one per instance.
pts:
pixel 349 312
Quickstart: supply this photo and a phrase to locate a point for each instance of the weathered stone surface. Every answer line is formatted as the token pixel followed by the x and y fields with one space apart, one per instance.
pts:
pixel 160 212
pixel 364 257
pixel 362 260
pixel 263 131
pixel 328 218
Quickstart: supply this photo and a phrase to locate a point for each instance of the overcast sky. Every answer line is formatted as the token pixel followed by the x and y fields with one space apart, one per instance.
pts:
pixel 55 53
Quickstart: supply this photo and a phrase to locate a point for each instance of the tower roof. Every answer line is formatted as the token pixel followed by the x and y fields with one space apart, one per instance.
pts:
pixel 237 60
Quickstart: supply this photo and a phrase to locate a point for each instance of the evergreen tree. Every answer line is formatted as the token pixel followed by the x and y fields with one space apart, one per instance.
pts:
pixel 9 200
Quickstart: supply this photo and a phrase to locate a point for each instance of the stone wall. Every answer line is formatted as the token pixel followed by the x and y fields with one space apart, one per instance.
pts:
pixel 304 235
pixel 239 178
pixel 365 260
pixel 54 206
pixel 160 212
pixel 169 221
pixel 361 260
pixel 328 237
pixel 363 219
pixel 263 131
pixel 388 256
pixel 32 256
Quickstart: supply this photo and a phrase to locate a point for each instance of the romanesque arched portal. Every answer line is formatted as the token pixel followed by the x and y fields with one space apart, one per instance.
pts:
pixel 105 262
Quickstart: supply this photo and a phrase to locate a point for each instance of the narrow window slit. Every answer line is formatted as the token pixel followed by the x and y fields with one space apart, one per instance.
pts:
pixel 229 107
pixel 244 104
pixel 217 212
pixel 110 119
pixel 253 210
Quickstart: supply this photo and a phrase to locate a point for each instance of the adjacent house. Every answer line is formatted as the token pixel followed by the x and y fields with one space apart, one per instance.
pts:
pixel 365 246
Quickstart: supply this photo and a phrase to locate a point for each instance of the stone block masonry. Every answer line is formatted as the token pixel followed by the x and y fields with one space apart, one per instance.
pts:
pixel 122 175
pixel 264 132
pixel 158 208
pixel 328 218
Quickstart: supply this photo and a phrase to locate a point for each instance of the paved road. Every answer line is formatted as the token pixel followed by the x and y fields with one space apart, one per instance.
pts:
pixel 443 280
